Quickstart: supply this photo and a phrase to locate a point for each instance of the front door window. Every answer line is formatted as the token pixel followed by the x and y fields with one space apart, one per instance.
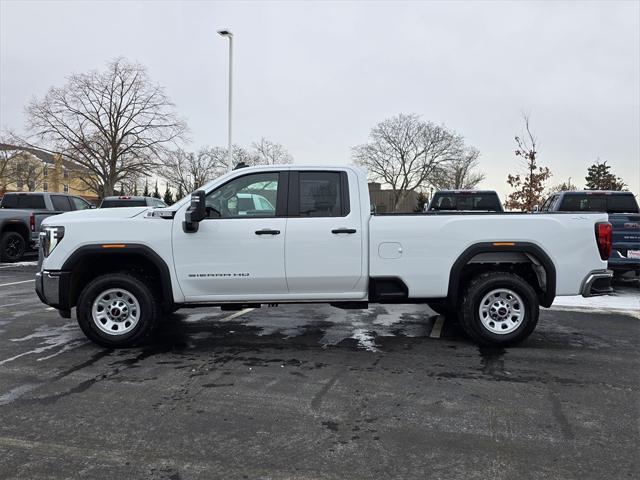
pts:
pixel 253 195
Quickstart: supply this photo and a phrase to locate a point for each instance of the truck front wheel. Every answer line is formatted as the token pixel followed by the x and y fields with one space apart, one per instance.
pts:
pixel 117 310
pixel 499 309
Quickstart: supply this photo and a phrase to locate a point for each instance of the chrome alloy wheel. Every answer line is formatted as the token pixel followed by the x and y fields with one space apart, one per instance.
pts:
pixel 501 311
pixel 115 311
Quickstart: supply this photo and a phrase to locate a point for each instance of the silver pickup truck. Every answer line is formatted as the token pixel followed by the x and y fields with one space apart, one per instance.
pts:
pixel 21 215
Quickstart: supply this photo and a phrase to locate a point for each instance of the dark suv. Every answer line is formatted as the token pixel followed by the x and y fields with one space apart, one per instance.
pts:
pixel 624 216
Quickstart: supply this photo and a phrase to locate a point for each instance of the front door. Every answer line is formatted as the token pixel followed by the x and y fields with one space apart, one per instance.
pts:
pixel 238 251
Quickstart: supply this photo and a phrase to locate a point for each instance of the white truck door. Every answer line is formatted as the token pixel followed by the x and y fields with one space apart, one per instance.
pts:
pixel 238 251
pixel 324 235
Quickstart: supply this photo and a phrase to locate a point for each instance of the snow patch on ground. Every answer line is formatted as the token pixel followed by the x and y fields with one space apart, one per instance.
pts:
pixel 365 339
pixel 63 338
pixel 33 263
pixel 626 300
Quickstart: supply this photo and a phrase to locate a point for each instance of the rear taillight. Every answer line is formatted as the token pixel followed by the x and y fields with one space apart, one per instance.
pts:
pixel 604 239
pixel 32 222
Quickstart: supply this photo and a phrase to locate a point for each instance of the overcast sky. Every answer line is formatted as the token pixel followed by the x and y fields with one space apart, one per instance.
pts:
pixel 316 76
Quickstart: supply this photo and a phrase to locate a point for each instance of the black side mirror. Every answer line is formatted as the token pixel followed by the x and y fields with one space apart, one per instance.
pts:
pixel 195 213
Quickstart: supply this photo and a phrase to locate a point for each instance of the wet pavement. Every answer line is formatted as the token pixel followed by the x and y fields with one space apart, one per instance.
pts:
pixel 314 392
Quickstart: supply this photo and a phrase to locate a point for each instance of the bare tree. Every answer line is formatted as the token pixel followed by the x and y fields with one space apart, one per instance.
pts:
pixel 530 185
pixel 115 123
pixel 188 171
pixel 28 170
pixel 271 153
pixel 460 173
pixel 405 152
pixel 132 184
pixel 7 162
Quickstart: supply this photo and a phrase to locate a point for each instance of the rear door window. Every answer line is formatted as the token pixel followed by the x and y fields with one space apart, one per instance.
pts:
pixel 321 194
pixel 61 203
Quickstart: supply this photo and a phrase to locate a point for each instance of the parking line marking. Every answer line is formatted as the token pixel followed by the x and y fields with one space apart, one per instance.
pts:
pixel 237 314
pixel 437 327
pixel 16 283
pixel 12 304
pixel 19 264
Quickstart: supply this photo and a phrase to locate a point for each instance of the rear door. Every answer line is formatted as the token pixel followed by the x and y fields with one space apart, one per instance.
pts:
pixel 324 241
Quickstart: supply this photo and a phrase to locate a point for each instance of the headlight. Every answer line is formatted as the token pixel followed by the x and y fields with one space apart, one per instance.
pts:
pixel 50 237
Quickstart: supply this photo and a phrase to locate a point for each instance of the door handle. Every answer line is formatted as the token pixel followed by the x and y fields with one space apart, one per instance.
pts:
pixel 267 231
pixel 343 230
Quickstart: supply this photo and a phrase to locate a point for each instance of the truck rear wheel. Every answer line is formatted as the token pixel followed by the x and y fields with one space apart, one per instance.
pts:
pixel 117 310
pixel 499 309
pixel 12 247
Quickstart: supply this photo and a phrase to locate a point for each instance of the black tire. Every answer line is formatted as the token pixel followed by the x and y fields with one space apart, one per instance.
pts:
pixel 526 314
pixel 148 315
pixel 12 247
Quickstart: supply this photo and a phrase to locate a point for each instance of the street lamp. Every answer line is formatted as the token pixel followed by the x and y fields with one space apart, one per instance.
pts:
pixel 229 35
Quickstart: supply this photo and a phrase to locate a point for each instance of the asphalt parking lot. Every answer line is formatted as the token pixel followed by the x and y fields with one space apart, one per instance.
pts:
pixel 313 392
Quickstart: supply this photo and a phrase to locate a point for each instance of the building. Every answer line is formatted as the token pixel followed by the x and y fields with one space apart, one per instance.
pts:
pixel 24 169
pixel 383 200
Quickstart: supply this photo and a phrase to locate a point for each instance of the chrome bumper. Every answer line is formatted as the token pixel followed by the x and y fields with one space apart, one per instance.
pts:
pixel 53 289
pixel 596 283
pixel 48 287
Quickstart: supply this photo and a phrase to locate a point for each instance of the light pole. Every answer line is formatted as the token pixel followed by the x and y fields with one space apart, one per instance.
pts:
pixel 229 35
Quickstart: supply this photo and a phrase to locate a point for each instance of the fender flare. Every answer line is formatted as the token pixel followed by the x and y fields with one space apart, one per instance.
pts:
pixel 546 298
pixel 129 249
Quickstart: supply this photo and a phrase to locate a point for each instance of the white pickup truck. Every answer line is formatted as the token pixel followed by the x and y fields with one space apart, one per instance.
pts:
pixel 291 234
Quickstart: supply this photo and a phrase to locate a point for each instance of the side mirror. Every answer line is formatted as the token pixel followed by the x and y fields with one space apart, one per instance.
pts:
pixel 92 206
pixel 536 208
pixel 195 213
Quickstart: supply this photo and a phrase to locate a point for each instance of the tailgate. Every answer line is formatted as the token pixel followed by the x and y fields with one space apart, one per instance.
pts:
pixel 626 233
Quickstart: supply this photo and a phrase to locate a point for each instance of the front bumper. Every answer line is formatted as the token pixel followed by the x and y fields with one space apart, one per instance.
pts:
pixel 598 282
pixel 52 288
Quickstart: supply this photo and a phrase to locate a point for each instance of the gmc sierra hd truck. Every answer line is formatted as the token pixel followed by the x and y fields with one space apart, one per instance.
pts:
pixel 310 237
